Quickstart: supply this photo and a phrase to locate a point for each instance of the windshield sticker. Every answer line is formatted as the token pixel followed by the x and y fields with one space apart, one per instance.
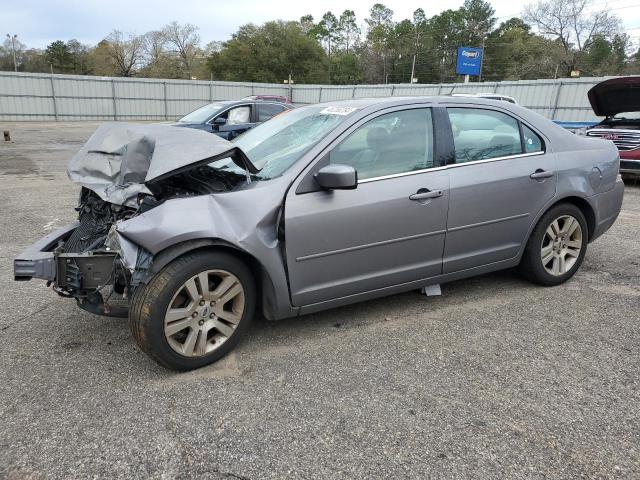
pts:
pixel 337 110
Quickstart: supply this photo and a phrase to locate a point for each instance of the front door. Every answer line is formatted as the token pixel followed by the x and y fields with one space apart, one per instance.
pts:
pixel 388 231
pixel 501 179
pixel 239 119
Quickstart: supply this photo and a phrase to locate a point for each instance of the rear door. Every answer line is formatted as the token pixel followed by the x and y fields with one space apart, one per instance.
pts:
pixel 388 231
pixel 501 177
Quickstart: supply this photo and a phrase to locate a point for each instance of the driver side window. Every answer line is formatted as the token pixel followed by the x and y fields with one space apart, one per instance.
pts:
pixel 237 115
pixel 392 143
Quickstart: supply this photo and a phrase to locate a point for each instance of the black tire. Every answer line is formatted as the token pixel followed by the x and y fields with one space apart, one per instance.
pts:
pixel 531 265
pixel 150 302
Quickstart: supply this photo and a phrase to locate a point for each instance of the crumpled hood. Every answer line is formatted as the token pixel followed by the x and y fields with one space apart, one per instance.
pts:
pixel 120 159
pixel 615 95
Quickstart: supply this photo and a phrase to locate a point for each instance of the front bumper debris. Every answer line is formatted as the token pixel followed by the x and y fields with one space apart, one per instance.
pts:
pixel 38 260
pixel 79 275
pixel 69 271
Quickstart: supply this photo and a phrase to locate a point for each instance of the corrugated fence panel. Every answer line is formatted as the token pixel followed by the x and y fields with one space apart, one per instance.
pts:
pixel 27 96
pixel 417 90
pixel 69 108
pixel 331 94
pixel 305 94
pixel 228 90
pixel 373 91
pixel 270 89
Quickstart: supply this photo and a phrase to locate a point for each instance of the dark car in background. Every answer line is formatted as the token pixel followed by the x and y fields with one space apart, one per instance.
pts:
pixel 230 119
pixel 618 100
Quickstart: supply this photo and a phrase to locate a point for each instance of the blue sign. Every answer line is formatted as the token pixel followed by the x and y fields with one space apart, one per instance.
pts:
pixel 468 61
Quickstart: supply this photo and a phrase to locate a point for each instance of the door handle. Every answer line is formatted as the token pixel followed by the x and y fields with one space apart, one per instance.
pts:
pixel 541 174
pixel 425 194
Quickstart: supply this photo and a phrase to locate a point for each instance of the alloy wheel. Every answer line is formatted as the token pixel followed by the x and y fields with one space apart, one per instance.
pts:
pixel 561 245
pixel 204 313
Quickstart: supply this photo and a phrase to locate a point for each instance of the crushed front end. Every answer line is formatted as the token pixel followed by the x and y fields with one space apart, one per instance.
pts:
pixel 125 170
pixel 84 259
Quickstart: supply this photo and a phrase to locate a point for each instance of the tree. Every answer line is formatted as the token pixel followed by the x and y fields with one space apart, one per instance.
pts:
pixel 479 20
pixel 59 57
pixel 124 52
pixel 329 31
pixel 184 42
pixel 419 26
pixel 513 52
pixel 307 24
pixel 7 51
pixel 606 57
pixel 380 25
pixel 158 61
pixel 447 31
pixel 350 32
pixel 574 24
pixel 270 53
pixel 79 57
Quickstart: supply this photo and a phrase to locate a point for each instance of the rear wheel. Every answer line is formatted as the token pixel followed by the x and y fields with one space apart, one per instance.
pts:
pixel 556 247
pixel 194 311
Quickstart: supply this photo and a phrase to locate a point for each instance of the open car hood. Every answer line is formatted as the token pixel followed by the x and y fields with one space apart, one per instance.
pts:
pixel 615 96
pixel 120 159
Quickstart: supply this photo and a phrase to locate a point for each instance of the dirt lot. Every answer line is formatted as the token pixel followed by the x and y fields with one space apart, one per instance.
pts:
pixel 495 378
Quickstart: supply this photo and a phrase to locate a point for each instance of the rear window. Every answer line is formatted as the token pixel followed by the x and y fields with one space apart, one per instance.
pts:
pixel 268 110
pixel 480 134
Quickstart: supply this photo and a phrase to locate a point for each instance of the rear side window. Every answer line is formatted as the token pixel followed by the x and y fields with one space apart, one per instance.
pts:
pixel 532 142
pixel 268 110
pixel 392 143
pixel 483 134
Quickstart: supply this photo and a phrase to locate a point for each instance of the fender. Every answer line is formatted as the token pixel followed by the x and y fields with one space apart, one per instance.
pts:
pixel 246 226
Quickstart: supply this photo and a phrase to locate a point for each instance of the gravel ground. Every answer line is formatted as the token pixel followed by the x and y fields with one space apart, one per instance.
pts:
pixel 496 378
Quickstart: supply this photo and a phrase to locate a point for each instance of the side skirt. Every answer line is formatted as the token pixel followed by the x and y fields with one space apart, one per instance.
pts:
pixel 405 287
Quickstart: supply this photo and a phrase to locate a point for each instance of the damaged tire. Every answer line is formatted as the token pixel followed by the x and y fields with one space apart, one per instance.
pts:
pixel 194 311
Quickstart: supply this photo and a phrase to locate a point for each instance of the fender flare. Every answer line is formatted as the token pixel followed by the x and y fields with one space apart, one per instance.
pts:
pixel 264 282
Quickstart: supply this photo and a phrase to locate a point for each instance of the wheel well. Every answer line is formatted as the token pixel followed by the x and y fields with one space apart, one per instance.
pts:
pixel 586 210
pixel 262 279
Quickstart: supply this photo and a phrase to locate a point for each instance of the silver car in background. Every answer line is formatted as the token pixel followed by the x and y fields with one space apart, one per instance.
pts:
pixel 328 205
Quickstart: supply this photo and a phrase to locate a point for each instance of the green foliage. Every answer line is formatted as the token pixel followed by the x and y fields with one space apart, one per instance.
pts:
pixel 270 53
pixel 566 35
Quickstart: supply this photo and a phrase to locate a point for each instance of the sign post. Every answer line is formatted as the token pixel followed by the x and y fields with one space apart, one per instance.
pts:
pixel 468 62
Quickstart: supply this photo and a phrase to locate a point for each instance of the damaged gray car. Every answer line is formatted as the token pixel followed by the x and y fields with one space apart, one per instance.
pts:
pixel 325 206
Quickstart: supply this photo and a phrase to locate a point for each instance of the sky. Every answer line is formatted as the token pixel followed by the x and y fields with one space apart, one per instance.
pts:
pixel 38 23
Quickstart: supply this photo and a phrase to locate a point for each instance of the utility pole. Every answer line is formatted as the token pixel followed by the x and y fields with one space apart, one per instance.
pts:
pixel 13 50
pixel 482 58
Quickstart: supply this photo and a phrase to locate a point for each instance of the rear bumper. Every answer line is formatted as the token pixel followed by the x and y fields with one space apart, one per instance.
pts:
pixel 607 206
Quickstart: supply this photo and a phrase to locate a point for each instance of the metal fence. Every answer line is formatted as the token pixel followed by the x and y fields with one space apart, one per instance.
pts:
pixel 41 97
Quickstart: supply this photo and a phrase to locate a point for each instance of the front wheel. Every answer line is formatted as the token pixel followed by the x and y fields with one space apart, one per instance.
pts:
pixel 194 311
pixel 556 247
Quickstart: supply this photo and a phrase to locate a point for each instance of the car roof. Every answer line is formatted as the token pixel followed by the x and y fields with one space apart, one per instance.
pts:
pixel 362 103
pixel 228 103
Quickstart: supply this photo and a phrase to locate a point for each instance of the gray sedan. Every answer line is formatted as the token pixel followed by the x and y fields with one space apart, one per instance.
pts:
pixel 328 205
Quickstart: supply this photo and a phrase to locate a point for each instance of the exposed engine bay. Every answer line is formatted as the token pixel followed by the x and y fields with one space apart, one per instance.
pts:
pixel 96 218
pixel 126 170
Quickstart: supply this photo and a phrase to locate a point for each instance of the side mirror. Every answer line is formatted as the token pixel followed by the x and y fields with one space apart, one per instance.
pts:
pixel 217 123
pixel 337 177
